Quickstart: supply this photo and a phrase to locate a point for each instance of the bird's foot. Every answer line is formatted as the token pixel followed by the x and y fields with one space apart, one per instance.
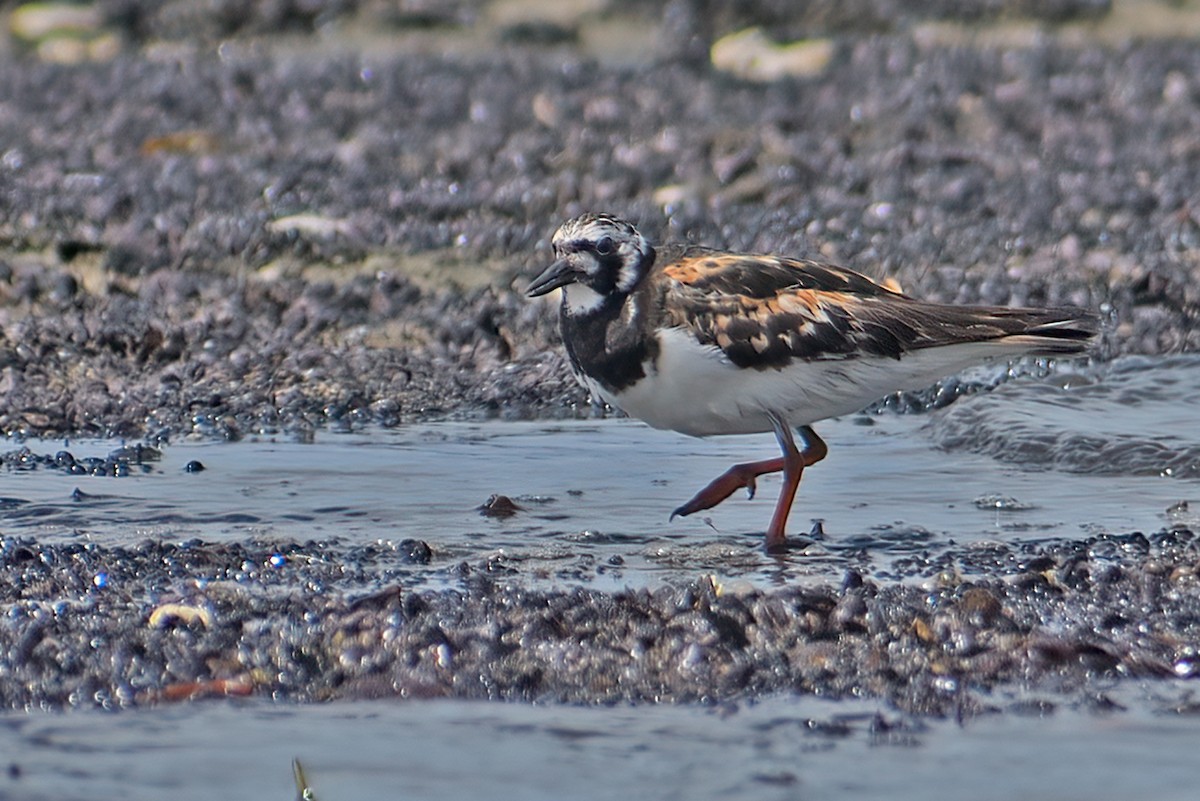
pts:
pixel 737 477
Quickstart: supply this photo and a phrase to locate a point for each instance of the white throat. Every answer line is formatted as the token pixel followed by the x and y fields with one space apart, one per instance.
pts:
pixel 581 299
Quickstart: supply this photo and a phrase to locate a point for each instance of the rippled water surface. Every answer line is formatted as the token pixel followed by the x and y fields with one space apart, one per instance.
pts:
pixel 781 748
pixel 1114 450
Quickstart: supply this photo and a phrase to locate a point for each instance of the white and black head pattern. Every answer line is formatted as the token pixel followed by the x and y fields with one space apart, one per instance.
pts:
pixel 606 256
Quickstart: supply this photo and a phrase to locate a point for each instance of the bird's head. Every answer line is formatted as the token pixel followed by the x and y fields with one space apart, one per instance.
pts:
pixel 603 254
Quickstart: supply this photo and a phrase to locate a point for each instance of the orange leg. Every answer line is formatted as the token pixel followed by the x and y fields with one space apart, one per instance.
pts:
pixel 792 463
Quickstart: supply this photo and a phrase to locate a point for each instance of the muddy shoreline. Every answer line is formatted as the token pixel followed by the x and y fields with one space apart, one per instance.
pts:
pixel 210 236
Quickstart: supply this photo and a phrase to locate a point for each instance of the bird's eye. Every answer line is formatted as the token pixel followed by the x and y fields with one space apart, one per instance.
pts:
pixel 604 245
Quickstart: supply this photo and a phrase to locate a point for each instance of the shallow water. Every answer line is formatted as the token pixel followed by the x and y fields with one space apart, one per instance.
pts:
pixel 1132 417
pixel 779 748
pixel 900 497
pixel 595 496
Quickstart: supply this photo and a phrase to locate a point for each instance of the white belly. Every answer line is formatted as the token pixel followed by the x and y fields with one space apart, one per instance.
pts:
pixel 696 390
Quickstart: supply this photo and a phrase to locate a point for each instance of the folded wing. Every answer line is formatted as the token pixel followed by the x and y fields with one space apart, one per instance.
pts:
pixel 767 311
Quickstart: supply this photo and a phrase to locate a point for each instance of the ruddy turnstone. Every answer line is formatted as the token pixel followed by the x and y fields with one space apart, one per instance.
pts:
pixel 706 342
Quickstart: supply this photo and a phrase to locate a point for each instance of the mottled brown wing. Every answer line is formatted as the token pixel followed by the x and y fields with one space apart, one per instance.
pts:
pixel 761 276
pixel 765 311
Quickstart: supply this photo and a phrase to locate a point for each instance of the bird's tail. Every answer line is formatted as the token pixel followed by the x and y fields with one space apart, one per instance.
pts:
pixel 1048 332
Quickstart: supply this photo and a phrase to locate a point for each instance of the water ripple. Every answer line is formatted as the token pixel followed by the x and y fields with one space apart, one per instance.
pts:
pixel 1133 416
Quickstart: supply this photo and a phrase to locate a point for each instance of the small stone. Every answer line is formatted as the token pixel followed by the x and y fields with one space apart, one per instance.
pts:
pixel 750 55
pixel 33 22
pixel 499 506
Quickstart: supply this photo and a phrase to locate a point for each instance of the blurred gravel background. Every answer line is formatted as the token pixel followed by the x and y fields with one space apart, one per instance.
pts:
pixel 225 217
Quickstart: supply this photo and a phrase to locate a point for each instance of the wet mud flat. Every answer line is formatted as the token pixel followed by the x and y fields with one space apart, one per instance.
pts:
pixel 234 242
pixel 379 568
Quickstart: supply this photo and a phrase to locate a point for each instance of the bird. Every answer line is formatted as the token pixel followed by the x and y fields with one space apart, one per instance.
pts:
pixel 707 342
